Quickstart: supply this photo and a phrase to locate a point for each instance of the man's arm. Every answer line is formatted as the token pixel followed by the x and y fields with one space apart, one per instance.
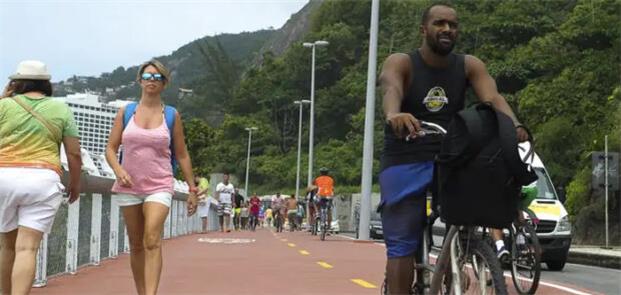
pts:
pixel 217 192
pixel 485 88
pixel 394 79
pixel 200 193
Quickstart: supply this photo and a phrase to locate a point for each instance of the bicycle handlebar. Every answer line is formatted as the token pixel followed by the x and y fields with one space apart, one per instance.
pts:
pixel 428 128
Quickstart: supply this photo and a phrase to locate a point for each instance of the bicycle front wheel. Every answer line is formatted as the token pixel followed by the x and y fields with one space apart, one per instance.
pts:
pixel 442 277
pixel 486 269
pixel 525 259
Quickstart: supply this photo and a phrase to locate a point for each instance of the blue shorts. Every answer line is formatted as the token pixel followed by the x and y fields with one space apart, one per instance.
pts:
pixel 403 206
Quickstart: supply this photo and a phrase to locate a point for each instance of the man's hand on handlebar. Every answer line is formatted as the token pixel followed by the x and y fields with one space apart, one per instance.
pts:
pixel 522 134
pixel 404 125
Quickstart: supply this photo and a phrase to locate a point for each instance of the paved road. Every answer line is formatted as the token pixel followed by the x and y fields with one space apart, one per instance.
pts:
pixel 574 279
pixel 602 280
pixel 259 262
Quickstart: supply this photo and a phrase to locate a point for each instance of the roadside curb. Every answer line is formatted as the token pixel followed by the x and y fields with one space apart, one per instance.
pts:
pixel 594 259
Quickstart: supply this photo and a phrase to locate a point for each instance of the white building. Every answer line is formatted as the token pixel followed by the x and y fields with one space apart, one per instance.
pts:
pixel 94 119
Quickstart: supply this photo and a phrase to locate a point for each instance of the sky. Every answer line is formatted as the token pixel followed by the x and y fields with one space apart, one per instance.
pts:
pixel 89 37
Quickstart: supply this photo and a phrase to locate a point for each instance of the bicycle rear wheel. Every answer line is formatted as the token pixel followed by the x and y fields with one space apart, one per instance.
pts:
pixel 525 259
pixel 315 228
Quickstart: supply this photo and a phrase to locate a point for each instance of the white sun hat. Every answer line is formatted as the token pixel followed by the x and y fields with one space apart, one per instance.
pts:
pixel 31 70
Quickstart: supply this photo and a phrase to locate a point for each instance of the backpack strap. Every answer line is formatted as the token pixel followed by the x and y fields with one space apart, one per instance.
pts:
pixel 170 115
pixel 130 109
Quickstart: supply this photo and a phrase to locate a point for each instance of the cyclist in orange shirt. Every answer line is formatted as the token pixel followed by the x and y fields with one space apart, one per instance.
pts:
pixel 325 190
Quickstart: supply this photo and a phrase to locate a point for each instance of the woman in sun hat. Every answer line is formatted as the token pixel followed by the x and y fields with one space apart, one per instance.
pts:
pixel 32 128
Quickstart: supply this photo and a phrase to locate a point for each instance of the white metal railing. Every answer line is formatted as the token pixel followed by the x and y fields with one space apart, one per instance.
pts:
pixel 79 238
pixel 177 224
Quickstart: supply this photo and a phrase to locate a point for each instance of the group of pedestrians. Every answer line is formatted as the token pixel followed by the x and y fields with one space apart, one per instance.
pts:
pixel 233 211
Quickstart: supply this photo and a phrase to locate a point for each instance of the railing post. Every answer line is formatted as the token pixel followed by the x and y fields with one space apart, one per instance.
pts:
pixel 168 223
pixel 184 219
pixel 96 229
pixel 41 271
pixel 73 226
pixel 113 246
pixel 173 219
pixel 125 240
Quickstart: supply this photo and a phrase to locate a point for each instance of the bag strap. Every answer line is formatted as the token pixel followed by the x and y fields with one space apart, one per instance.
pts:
pixel 474 124
pixel 509 143
pixel 170 114
pixel 51 128
pixel 130 109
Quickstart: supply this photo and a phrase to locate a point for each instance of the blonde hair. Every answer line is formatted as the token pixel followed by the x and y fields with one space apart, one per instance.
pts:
pixel 156 64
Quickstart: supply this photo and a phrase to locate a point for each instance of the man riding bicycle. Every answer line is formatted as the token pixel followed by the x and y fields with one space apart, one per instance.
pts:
pixel 255 206
pixel 277 207
pixel 311 193
pixel 325 191
pixel 428 84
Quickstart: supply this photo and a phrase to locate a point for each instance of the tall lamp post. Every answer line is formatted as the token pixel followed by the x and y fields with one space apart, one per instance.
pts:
pixel 369 119
pixel 297 175
pixel 249 129
pixel 312 108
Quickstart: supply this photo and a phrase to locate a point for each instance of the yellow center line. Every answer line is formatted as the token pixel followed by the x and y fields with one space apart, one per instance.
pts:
pixel 304 252
pixel 324 264
pixel 291 245
pixel 363 283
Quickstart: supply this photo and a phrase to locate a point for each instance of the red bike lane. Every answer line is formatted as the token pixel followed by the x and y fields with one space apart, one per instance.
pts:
pixel 261 262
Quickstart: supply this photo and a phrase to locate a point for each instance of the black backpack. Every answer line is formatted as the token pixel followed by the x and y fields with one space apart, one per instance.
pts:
pixel 479 171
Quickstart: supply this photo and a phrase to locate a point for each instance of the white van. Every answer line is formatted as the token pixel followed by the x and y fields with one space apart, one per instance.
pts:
pixel 554 229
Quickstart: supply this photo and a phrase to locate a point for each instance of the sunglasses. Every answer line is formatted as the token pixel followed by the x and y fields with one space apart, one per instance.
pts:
pixel 151 76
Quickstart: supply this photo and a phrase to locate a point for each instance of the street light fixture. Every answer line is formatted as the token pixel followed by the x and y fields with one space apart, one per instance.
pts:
pixel 312 107
pixel 183 92
pixel 249 129
pixel 297 175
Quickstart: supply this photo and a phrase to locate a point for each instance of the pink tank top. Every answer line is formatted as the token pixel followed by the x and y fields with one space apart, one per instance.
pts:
pixel 146 158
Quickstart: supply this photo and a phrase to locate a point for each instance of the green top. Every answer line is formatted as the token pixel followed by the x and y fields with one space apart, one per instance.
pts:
pixel 529 193
pixel 203 184
pixel 25 141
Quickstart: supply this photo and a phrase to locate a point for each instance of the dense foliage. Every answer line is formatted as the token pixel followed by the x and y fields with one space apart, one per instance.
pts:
pixel 557 62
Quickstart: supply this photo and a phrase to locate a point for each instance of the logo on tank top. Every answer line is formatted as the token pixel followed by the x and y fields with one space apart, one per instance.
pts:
pixel 436 99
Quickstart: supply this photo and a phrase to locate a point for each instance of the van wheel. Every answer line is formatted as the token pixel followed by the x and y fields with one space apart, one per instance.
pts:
pixel 555 265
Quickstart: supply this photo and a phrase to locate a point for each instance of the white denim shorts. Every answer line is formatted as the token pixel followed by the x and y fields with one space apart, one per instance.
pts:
pixel 203 208
pixel 29 197
pixel 164 198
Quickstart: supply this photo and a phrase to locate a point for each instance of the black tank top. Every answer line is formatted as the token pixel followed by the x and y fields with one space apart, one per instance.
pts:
pixel 435 95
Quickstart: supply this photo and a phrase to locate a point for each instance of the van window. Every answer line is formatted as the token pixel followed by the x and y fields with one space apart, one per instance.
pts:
pixel 545 190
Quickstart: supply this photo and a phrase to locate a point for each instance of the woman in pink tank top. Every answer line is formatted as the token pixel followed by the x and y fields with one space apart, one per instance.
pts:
pixel 144 179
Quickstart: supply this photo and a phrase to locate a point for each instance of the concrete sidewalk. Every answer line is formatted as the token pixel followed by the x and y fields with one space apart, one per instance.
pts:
pixel 595 256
